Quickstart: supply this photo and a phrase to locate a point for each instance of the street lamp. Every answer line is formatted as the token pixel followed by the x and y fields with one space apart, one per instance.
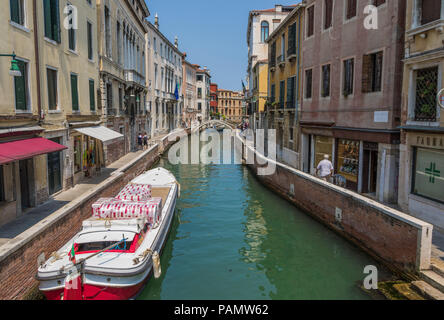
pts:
pixel 15 70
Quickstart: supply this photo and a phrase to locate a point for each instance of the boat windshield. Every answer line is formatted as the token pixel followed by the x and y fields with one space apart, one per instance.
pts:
pixel 98 246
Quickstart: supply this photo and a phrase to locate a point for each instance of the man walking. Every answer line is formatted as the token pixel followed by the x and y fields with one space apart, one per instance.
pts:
pixel 325 168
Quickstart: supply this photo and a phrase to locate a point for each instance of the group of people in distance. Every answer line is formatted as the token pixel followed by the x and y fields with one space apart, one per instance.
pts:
pixel 142 141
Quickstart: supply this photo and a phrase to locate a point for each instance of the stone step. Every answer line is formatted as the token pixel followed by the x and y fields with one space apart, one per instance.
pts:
pixel 438 266
pixel 427 290
pixel 434 279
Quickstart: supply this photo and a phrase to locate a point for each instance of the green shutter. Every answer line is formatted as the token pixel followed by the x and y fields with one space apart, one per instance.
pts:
pixel 74 93
pixel 47 15
pixel 15 15
pixel 92 100
pixel 20 88
pixel 56 21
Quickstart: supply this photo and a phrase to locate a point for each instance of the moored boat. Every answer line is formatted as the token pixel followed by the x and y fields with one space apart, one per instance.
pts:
pixel 113 255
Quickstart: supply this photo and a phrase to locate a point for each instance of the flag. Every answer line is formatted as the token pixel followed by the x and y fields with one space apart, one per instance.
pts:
pixel 176 92
pixel 72 254
pixel 243 86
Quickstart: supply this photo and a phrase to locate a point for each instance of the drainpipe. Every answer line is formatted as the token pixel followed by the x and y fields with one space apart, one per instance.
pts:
pixel 37 60
pixel 297 70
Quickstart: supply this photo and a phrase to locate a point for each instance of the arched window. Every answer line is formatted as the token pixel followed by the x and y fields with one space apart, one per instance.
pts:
pixel 264 31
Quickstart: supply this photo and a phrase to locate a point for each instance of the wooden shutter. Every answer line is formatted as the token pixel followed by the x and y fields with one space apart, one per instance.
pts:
pixel 310 26
pixel 328 13
pixel 92 100
pixel 292 39
pixel 430 11
pixel 377 85
pixel 90 45
pixel 47 15
pixel 74 93
pixel 366 73
pixel 15 10
pixel 56 22
pixel 20 88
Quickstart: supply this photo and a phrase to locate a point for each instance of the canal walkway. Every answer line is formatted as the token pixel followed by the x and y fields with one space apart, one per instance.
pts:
pixel 33 216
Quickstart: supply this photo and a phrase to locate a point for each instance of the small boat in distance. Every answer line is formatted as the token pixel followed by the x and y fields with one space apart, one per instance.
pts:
pixel 113 255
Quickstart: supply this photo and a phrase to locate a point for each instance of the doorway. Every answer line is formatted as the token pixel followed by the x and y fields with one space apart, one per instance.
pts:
pixel 54 171
pixel 370 168
pixel 24 184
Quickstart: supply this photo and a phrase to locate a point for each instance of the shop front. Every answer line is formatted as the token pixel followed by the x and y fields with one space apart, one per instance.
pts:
pixel 323 146
pixel 347 162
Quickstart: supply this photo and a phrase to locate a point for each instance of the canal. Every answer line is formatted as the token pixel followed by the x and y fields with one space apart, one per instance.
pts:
pixel 232 238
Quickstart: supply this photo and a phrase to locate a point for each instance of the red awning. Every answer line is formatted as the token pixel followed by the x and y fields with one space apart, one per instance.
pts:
pixel 28 148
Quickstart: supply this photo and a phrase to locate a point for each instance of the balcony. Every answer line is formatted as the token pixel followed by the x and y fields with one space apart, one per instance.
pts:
pixel 291 53
pixel 281 60
pixel 134 77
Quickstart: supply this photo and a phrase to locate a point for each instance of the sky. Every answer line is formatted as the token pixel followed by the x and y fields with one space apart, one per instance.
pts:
pixel 212 33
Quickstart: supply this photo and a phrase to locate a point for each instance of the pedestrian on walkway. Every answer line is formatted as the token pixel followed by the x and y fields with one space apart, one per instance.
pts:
pixel 325 169
pixel 139 141
pixel 145 141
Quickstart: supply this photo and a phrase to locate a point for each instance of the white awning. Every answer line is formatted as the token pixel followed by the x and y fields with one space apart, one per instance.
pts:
pixel 100 132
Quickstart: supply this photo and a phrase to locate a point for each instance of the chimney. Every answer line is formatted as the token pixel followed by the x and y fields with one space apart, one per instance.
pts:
pixel 278 8
pixel 156 21
pixel 176 42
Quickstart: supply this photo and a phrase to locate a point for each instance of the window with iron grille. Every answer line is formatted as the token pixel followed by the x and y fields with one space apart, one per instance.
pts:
pixel 348 77
pixel 372 72
pixel 426 92
pixel 325 81
pixel 308 83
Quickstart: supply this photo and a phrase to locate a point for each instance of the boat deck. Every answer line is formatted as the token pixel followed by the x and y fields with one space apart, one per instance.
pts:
pixel 161 192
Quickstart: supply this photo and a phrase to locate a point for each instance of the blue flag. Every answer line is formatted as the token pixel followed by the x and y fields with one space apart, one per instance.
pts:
pixel 176 92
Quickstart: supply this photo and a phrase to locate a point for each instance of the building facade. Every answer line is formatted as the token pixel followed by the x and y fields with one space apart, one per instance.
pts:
pixel 164 80
pixel 352 79
pixel 203 80
pixel 214 99
pixel 121 47
pixel 421 178
pixel 231 105
pixel 282 108
pixel 261 23
pixel 189 91
pixel 55 93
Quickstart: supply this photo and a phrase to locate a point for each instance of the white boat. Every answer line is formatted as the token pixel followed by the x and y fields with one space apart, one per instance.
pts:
pixel 113 257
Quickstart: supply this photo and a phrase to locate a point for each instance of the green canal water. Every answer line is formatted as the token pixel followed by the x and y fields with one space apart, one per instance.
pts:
pixel 232 238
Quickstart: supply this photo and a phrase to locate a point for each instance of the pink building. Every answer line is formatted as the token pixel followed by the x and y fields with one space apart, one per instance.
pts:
pixel 352 79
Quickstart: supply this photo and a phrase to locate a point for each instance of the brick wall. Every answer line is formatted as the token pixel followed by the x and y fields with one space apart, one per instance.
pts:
pixel 114 152
pixel 18 258
pixel 398 240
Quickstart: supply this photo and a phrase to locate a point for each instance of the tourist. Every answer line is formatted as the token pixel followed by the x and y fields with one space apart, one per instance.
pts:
pixel 325 169
pixel 145 141
pixel 139 140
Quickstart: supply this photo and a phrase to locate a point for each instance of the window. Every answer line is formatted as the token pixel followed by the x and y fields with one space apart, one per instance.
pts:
pixel 325 88
pixel 425 94
pixel 17 11
pixel 199 93
pixel 120 99
pixel 348 77
pixel 199 106
pixel 199 78
pixel 428 173
pixel 92 96
pixel 74 93
pixel 430 11
pixel 2 185
pixel 119 44
pixel 328 14
pixel 377 3
pixel 291 40
pixel 108 47
pixel 71 31
pixel 310 21
pixel 282 47
pixel 308 83
pixel 89 31
pixel 52 89
pixel 21 87
pixel 351 9
pixel 109 97
pixel 291 93
pixel 265 29
pixel 372 72
pixel 52 19
pixel 272 54
pixel 273 93
pixel 282 94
